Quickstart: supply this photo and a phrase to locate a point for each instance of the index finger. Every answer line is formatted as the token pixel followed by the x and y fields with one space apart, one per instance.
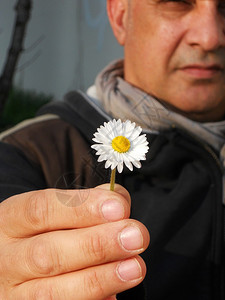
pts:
pixel 41 211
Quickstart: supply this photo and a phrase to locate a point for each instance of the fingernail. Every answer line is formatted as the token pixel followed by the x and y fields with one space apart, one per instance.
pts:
pixel 112 210
pixel 131 238
pixel 129 270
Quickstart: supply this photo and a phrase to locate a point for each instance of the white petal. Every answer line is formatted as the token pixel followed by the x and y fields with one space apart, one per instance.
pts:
pixel 120 167
pixel 110 126
pixel 101 138
pixel 118 156
pixel 139 149
pixel 102 158
pixel 137 164
pixel 139 140
pixel 95 140
pixel 119 128
pixel 105 148
pixel 134 156
pixel 129 165
pixel 107 164
pixel 136 132
pixel 95 146
pixel 103 131
pixel 114 164
pixel 128 129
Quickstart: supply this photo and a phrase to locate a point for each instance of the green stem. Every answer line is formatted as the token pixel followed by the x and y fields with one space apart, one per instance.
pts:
pixel 112 179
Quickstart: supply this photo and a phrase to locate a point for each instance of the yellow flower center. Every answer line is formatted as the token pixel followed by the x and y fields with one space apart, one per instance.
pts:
pixel 121 144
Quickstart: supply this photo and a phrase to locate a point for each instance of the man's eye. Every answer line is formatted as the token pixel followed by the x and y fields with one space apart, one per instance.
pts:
pixel 178 2
pixel 176 8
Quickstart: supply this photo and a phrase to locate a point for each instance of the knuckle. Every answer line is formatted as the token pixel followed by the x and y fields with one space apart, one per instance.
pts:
pixel 94 285
pixel 41 257
pixel 94 248
pixel 38 208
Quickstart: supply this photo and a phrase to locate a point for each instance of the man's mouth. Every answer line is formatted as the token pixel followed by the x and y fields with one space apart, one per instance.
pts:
pixel 199 71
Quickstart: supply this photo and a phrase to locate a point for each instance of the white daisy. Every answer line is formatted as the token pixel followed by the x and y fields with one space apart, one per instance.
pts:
pixel 120 143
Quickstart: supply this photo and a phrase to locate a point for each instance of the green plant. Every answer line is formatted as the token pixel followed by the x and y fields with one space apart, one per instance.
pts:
pixel 21 105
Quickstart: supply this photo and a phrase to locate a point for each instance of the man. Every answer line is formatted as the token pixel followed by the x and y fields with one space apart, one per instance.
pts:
pixel 81 244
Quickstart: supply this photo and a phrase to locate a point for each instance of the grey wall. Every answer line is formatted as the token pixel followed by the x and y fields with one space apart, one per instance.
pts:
pixel 67 43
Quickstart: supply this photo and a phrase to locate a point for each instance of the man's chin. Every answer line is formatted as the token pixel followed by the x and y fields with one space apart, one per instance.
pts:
pixel 202 109
pixel 205 114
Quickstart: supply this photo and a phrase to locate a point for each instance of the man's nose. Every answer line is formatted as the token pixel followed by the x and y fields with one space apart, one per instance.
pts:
pixel 206 27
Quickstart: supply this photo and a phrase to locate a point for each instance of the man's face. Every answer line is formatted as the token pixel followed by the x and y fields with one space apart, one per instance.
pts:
pixel 175 50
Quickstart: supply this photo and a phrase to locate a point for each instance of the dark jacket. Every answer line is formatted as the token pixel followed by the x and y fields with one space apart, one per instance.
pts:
pixel 177 193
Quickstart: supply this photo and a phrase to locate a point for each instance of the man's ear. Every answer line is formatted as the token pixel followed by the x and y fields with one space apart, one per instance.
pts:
pixel 117 13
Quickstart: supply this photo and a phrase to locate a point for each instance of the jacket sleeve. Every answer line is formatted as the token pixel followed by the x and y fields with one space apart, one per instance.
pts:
pixel 17 173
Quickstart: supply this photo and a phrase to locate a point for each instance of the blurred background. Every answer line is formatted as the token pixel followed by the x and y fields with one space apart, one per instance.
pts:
pixel 66 43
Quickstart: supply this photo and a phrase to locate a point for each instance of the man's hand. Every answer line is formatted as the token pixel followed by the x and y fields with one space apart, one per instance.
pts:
pixel 74 244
